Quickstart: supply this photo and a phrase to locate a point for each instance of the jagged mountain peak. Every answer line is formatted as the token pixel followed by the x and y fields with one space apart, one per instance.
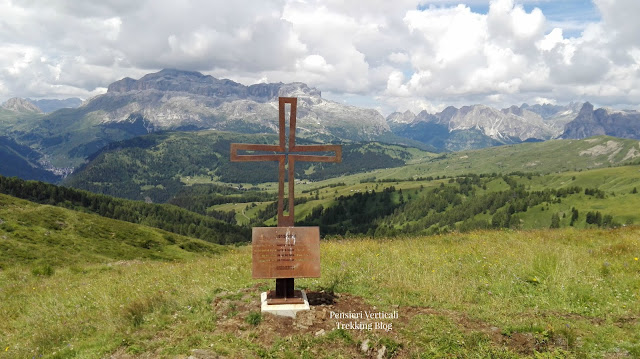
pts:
pixel 587 108
pixel 17 104
pixel 296 89
pixel 518 111
pixel 590 122
pixel 401 117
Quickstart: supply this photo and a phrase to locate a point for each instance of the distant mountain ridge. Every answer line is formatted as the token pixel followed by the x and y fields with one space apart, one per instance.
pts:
pixel 17 104
pixel 479 126
pixel 52 105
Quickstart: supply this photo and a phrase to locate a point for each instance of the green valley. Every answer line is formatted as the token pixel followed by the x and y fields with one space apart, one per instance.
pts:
pixel 158 166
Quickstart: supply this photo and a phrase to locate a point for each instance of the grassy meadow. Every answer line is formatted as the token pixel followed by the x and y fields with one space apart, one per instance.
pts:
pixel 77 285
pixel 564 293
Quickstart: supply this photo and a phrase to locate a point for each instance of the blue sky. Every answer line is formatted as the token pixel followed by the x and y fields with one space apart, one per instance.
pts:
pixel 388 55
pixel 572 15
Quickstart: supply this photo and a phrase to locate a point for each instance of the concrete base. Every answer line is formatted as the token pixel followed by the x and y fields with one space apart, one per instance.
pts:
pixel 285 310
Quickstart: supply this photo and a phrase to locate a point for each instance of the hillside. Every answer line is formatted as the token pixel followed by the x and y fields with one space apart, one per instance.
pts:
pixel 166 217
pixel 192 170
pixel 159 166
pixel 22 161
pixel 500 294
pixel 540 157
pixel 43 237
pixel 604 197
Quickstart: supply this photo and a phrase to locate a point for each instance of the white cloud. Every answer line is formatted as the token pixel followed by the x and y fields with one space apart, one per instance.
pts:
pixel 408 53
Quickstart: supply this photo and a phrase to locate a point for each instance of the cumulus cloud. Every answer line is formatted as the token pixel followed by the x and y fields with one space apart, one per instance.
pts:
pixel 407 54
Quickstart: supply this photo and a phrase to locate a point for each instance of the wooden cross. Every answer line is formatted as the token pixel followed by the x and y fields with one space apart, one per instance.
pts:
pixel 292 154
pixel 286 157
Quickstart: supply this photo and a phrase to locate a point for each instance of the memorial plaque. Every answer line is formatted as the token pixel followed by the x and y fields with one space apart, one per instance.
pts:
pixel 286 252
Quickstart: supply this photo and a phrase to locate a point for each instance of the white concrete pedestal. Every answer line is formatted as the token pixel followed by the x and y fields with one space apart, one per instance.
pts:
pixel 285 310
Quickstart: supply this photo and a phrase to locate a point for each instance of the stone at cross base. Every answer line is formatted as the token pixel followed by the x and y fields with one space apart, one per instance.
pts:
pixel 285 252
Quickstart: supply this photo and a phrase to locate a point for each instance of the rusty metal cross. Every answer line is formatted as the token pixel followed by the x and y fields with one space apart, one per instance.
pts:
pixel 282 154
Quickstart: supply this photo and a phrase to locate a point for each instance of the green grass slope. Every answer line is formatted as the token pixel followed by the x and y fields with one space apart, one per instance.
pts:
pixel 542 157
pixel 45 237
pixel 501 294
pixel 167 217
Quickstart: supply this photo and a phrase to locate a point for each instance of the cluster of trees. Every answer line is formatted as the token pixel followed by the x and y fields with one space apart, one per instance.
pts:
pixel 598 193
pixel 271 211
pixel 198 198
pixel 167 217
pixel 601 221
pixel 357 213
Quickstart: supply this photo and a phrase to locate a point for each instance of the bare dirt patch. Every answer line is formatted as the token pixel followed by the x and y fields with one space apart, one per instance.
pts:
pixel 234 312
pixel 233 309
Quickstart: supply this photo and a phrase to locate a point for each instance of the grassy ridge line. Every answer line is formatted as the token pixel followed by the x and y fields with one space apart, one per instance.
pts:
pixel 577 287
pixel 167 217
pixel 43 237
pixel 543 157
pixel 619 186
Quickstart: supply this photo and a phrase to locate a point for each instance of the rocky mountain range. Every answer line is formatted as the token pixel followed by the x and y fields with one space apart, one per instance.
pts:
pixel 480 126
pixel 66 132
pixel 172 99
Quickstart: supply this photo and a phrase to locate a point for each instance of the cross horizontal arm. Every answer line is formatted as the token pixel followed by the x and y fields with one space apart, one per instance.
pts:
pixel 235 157
pixel 312 158
pixel 337 149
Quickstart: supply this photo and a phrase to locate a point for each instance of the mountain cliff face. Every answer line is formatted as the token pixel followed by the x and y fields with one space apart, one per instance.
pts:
pixel 480 126
pixel 172 99
pixel 590 122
